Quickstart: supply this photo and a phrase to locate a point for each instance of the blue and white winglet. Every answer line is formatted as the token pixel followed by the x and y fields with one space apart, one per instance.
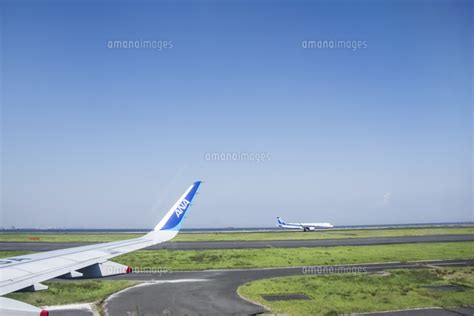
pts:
pixel 25 273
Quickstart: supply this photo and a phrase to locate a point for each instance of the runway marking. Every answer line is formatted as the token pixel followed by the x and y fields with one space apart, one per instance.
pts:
pixel 401 310
pixel 447 264
pixel 175 281
pixel 90 307
pixel 87 306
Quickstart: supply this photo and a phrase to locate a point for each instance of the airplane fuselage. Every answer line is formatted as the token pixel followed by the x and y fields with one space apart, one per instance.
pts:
pixel 303 226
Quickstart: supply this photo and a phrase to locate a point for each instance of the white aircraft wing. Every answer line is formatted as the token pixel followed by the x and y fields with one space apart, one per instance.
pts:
pixel 27 271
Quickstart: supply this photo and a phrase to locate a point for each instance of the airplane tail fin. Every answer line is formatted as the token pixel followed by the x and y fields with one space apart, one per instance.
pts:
pixel 280 221
pixel 173 219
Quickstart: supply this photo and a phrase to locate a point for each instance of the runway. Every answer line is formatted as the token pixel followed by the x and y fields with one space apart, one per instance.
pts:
pixel 199 245
pixel 213 292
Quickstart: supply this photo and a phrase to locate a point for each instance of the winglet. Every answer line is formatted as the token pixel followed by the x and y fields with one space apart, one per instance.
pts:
pixel 173 219
pixel 280 221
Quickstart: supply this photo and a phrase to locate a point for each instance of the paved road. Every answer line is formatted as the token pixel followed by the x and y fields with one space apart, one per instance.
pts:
pixel 70 312
pixel 213 292
pixel 466 311
pixel 47 246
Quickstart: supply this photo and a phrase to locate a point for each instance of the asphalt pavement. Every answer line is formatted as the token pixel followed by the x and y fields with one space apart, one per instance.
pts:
pixel 214 292
pixel 199 245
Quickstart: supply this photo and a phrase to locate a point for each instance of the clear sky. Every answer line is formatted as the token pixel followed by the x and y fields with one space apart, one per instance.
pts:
pixel 102 137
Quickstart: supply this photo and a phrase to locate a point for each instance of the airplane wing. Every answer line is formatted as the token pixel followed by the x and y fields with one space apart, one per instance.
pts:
pixel 27 271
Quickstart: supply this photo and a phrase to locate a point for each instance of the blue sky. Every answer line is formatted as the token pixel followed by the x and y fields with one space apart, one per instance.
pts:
pixel 100 137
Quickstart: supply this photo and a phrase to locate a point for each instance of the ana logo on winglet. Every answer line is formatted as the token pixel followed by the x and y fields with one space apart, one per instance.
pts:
pixel 181 208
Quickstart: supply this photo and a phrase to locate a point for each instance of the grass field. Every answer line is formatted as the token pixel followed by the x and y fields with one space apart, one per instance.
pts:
pixel 281 257
pixel 7 254
pixel 238 236
pixel 69 292
pixel 349 293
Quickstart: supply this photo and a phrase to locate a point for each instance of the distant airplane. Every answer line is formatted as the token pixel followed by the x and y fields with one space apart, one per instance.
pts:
pixel 26 272
pixel 304 226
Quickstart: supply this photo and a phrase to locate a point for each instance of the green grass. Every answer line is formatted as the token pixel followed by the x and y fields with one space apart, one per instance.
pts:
pixel 239 236
pixel 327 234
pixel 284 257
pixel 69 292
pixel 8 254
pixel 355 293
